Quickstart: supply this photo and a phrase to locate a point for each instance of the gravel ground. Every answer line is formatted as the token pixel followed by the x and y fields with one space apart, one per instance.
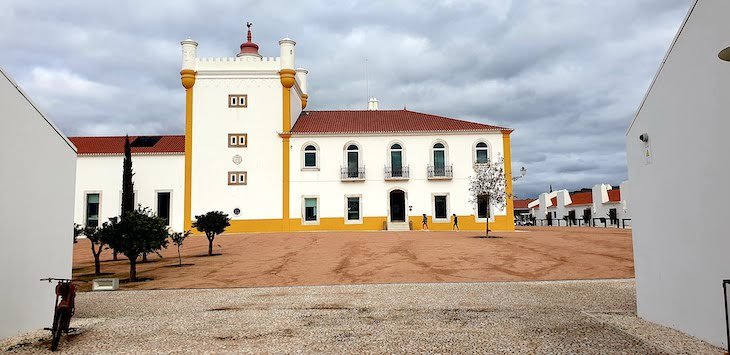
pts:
pixel 502 317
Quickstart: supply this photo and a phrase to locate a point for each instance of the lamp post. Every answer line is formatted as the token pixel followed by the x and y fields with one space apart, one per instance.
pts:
pixel 523 172
pixel 726 291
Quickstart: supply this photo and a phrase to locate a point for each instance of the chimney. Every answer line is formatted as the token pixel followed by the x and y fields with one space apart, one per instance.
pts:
pixel 373 104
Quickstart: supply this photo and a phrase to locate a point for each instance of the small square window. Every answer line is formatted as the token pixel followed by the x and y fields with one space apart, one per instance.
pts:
pixel 237 178
pixel 237 100
pixel 237 140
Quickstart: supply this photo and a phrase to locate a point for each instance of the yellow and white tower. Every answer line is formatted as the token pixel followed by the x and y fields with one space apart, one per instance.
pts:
pixel 239 112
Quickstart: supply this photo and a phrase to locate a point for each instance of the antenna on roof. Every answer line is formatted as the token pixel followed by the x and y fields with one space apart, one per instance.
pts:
pixel 367 87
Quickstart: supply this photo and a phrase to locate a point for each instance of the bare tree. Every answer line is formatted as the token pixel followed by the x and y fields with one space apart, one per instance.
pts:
pixel 489 184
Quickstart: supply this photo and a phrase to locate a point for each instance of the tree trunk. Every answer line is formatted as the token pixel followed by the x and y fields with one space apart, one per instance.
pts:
pixel 179 257
pixel 144 257
pixel 97 264
pixel 210 246
pixel 133 269
pixel 486 228
pixel 114 255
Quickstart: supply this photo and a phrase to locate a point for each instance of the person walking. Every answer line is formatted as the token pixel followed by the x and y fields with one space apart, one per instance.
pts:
pixel 425 222
pixel 456 223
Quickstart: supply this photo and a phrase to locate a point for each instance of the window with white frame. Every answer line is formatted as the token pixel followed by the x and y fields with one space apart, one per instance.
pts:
pixel 482 207
pixel 237 140
pixel 353 160
pixel 237 178
pixel 311 159
pixel 353 209
pixel 163 205
pixel 396 160
pixel 93 204
pixel 440 207
pixel 237 100
pixel 310 209
pixel 481 153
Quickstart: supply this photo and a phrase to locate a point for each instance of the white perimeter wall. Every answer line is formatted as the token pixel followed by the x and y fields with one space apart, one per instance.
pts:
pixel 374 155
pixel 681 262
pixel 36 211
pixel 152 173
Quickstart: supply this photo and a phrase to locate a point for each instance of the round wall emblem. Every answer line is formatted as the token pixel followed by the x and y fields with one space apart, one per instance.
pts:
pixel 236 211
pixel 237 159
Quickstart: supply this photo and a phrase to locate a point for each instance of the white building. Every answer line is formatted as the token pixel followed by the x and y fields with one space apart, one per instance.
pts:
pixel 37 179
pixel 252 151
pixel 681 240
pixel 586 206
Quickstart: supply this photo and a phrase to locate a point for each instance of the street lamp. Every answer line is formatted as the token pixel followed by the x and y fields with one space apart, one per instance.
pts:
pixel 724 54
pixel 523 172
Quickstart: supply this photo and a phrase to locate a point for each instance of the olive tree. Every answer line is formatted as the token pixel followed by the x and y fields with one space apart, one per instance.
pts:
pixel 212 224
pixel 178 239
pixel 98 239
pixel 139 232
pixel 489 184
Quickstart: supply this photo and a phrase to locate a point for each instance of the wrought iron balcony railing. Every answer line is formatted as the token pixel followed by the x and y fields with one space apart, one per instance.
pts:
pixel 440 172
pixel 352 174
pixel 397 173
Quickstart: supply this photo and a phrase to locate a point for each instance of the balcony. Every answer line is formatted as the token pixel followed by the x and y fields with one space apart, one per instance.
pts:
pixel 402 173
pixel 445 172
pixel 351 174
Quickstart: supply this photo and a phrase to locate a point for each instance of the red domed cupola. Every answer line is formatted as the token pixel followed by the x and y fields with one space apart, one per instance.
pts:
pixel 249 48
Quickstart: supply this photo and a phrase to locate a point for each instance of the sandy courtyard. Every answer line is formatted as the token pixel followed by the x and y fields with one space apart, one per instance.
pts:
pixel 329 258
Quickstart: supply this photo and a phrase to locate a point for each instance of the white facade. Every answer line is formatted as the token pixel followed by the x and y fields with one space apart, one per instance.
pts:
pixel 102 174
pixel 325 181
pixel 681 262
pixel 37 178
pixel 260 120
pixel 595 203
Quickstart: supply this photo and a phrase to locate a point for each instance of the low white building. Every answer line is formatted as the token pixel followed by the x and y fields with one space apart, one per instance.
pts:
pixel 678 142
pixel 158 163
pixel 37 181
pixel 251 150
pixel 583 207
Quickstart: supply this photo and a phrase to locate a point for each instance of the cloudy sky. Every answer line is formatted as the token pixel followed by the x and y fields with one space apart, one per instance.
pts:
pixel 567 75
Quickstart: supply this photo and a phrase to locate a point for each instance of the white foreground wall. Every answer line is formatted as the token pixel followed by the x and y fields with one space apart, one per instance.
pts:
pixel 152 173
pixel 680 262
pixel 36 211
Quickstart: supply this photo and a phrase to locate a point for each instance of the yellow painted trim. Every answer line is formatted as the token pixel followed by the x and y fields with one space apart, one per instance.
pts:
pixel 304 101
pixel 187 77
pixel 466 223
pixel 506 147
pixel 287 77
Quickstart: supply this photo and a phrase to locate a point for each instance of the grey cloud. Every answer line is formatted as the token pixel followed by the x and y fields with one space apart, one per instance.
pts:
pixel 567 76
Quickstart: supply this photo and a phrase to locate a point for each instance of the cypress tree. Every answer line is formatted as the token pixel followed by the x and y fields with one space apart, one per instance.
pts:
pixel 127 184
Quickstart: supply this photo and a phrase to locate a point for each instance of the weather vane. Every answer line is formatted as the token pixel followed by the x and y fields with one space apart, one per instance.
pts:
pixel 249 24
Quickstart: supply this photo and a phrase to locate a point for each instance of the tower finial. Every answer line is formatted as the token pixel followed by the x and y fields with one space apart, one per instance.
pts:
pixel 249 48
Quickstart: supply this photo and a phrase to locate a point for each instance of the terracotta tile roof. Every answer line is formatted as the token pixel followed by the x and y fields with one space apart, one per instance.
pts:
pixel 581 198
pixel 113 145
pixel 554 201
pixel 521 204
pixel 614 195
pixel 378 121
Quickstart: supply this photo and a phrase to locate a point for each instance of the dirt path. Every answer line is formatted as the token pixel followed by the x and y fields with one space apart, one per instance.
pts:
pixel 326 258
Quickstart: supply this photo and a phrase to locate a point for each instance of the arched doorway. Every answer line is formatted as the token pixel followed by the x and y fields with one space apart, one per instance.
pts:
pixel 397 206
